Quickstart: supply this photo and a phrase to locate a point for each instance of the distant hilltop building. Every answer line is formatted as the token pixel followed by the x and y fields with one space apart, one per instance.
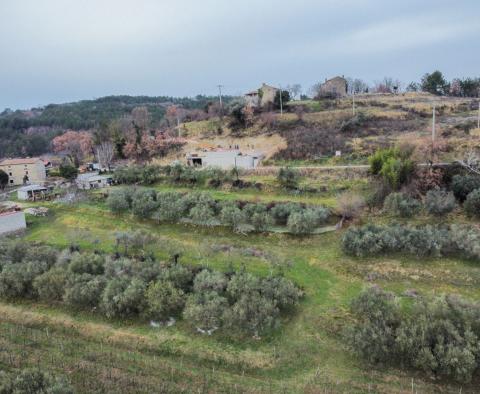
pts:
pixel 334 88
pixel 24 171
pixel 262 97
pixel 226 159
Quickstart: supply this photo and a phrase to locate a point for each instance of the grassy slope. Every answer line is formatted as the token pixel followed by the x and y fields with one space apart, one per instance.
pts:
pixel 306 355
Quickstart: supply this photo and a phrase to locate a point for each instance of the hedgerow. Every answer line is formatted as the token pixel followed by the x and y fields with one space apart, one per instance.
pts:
pixel 201 209
pixel 371 240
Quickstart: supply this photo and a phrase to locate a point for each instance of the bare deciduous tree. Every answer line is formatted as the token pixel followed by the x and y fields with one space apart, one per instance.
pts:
pixel 471 161
pixel 104 154
pixel 294 90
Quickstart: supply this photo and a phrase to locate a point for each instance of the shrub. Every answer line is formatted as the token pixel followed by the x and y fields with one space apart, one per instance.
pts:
pixel 252 313
pixel 163 300
pixel 50 286
pixel 84 291
pixel 350 205
pixel 399 204
pixel 439 202
pixel 16 280
pixel 86 263
pixel 169 208
pixel 207 281
pixel 179 275
pixel 127 174
pixel 281 212
pixel 119 200
pixel 374 337
pixel 463 185
pixel 258 216
pixel 302 222
pixel 123 297
pixel 206 311
pixel 203 214
pixel 281 291
pixel 231 215
pixel 288 178
pixel 144 202
pixel 472 203
pixel 394 165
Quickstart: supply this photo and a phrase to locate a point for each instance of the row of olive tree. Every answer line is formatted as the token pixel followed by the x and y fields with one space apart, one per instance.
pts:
pixel 440 336
pixel 202 209
pixel 371 240
pixel 127 287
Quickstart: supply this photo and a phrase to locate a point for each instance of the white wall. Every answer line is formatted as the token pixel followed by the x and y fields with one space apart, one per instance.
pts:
pixel 227 159
pixel 11 222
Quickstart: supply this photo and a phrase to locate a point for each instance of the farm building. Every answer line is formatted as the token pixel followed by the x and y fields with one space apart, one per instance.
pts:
pixel 11 222
pixel 24 171
pixel 335 87
pixel 225 159
pixel 93 180
pixel 263 97
pixel 32 192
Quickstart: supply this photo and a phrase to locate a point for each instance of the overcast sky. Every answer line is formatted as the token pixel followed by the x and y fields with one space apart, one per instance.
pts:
pixel 54 51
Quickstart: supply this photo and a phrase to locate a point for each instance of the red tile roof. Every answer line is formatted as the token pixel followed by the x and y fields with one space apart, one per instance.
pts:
pixel 29 160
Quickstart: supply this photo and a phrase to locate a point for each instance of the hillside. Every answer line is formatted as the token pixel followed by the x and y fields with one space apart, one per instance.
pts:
pixel 310 132
pixel 29 132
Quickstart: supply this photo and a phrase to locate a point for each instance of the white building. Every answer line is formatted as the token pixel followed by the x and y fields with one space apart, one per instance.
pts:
pixel 225 159
pixel 93 180
pixel 31 192
pixel 11 222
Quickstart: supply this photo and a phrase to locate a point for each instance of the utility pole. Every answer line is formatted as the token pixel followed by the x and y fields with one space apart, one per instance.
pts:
pixel 353 102
pixel 281 102
pixel 433 124
pixel 478 118
pixel 220 98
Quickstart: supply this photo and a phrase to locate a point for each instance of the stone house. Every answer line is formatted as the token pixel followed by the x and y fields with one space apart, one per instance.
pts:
pixel 263 97
pixel 334 88
pixel 24 171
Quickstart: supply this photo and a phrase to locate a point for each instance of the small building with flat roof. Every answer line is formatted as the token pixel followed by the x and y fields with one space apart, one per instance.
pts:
pixel 225 159
pixel 32 192
pixel 93 180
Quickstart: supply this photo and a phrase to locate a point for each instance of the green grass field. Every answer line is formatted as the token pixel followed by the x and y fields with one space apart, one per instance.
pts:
pixel 306 354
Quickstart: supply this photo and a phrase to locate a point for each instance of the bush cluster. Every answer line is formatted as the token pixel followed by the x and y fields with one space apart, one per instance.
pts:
pixel 393 165
pixel 472 203
pixel 439 202
pixel 33 381
pixel 126 287
pixel 438 336
pixel 463 185
pixel 202 209
pixel 399 204
pixel 371 240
